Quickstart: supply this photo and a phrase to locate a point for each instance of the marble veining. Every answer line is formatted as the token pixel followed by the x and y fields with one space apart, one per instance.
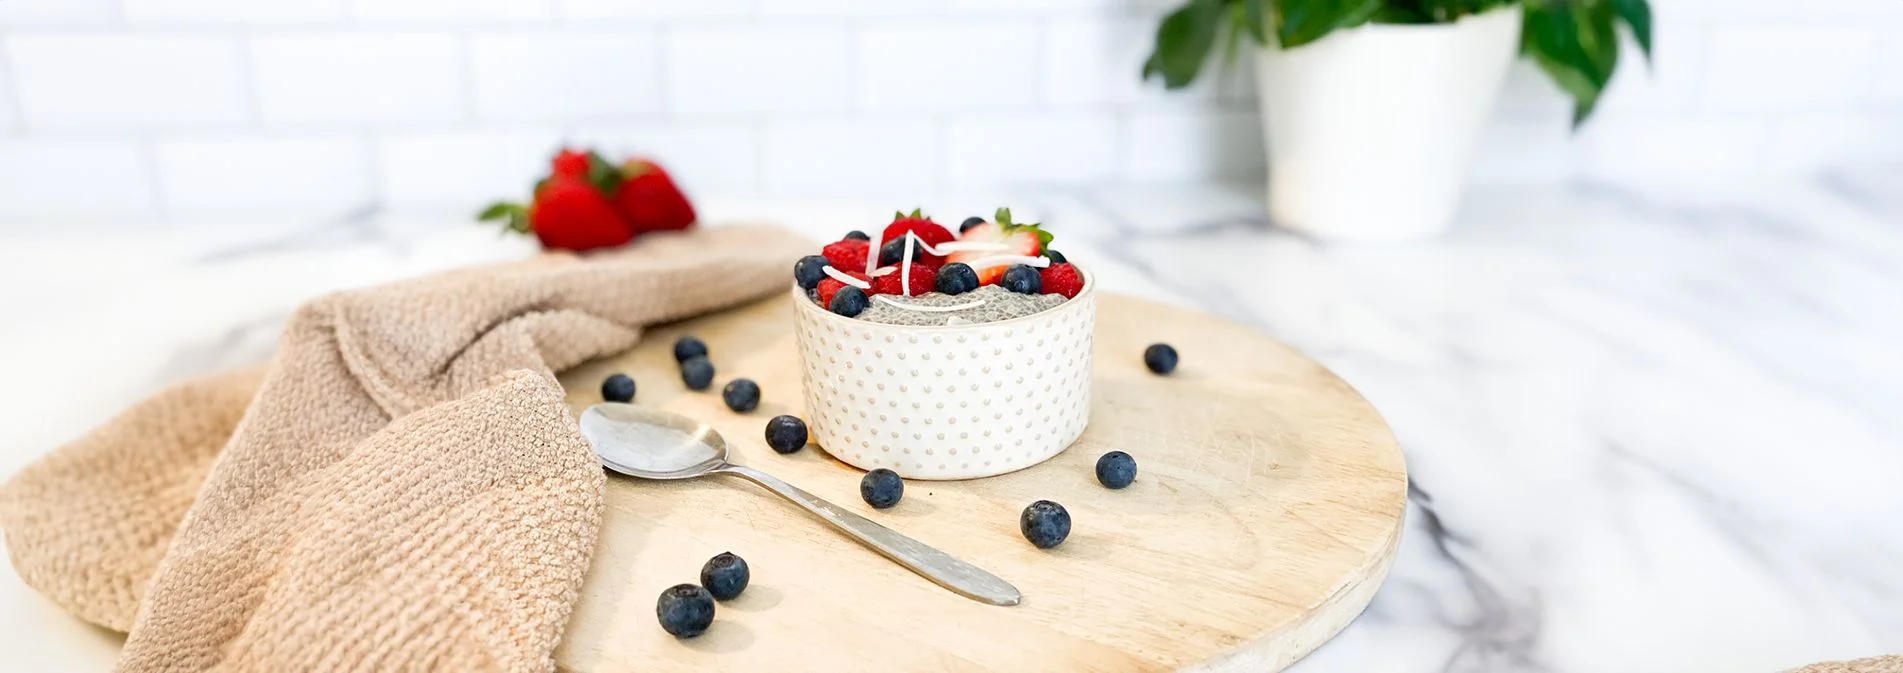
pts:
pixel 1649 428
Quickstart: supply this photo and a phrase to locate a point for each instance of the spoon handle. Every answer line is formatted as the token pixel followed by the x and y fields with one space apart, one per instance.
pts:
pixel 962 578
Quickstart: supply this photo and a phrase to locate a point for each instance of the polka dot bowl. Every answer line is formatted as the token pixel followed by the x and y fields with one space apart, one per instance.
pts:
pixel 947 402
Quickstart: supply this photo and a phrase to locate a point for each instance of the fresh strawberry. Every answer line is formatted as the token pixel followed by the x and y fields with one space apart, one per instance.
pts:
pixel 923 278
pixel 569 163
pixel 931 232
pixel 648 199
pixel 829 285
pixel 567 214
pixel 847 255
pixel 1062 279
pixel 1019 239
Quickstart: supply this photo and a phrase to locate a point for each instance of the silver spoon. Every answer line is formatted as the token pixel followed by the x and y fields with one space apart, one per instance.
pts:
pixel 654 444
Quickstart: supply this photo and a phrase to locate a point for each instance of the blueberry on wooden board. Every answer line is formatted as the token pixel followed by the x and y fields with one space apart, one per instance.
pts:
pixel 1116 469
pixel 725 576
pixel 697 373
pixel 786 434
pixel 685 610
pixel 1045 524
pixel 1160 358
pixel 618 388
pixel 741 395
pixel 881 488
pixel 690 347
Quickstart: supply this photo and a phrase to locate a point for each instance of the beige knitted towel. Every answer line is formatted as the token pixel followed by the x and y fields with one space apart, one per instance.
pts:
pixel 402 488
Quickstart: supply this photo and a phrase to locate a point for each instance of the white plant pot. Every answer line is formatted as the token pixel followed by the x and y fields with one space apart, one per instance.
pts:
pixel 1370 131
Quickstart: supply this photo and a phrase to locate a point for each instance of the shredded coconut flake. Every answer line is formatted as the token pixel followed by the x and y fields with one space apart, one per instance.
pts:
pixel 843 278
pixel 1008 260
pixel 929 309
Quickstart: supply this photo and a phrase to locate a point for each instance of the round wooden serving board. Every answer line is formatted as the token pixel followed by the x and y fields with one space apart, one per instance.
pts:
pixel 1266 511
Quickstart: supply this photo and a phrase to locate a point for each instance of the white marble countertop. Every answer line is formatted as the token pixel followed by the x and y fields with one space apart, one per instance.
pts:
pixel 1649 429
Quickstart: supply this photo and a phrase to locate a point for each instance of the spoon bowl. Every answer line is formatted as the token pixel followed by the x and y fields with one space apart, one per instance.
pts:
pixel 649 443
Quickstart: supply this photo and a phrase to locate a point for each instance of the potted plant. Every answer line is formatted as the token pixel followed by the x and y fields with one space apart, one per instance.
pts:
pixel 1371 108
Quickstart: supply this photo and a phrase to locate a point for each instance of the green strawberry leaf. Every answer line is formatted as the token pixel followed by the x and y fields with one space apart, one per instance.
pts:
pixel 603 175
pixel 497 211
pixel 1002 217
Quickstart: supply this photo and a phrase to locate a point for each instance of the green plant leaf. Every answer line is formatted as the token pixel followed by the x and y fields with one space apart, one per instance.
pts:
pixel 1255 16
pixel 1576 45
pixel 1637 15
pixel 1183 42
pixel 1305 21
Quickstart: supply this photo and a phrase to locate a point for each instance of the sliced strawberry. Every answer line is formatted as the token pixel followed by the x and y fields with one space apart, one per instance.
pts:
pixel 1026 240
pixel 917 223
pixel 829 285
pixel 923 278
pixel 847 255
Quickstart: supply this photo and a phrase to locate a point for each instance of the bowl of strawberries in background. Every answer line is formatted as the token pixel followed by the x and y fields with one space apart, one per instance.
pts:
pixel 587 202
pixel 942 355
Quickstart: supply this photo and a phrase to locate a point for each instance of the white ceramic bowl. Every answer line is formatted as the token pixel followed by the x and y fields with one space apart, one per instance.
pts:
pixel 947 402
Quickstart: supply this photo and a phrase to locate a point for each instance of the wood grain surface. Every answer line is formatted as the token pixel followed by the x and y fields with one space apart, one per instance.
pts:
pixel 1267 508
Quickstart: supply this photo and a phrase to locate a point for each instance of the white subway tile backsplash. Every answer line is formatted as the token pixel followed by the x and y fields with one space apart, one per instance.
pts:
pixel 57 12
pixel 1068 148
pixel 357 78
pixel 449 11
pixel 1656 147
pixel 566 75
pixel 791 69
pixel 1190 145
pixel 856 156
pixel 8 119
pixel 1819 142
pixel 1098 60
pixel 37 177
pixel 702 157
pixel 67 81
pixel 1766 67
pixel 231 11
pixel 648 9
pixel 1526 150
pixel 1887 86
pixel 463 169
pixel 965 65
pixel 251 172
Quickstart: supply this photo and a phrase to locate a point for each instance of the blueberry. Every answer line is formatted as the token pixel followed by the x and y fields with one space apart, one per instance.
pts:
pixel 786 434
pixel 957 278
pixel 725 576
pixel 618 388
pixel 858 235
pixel 741 395
pixel 1056 257
pixel 690 347
pixel 1160 358
pixel 1022 280
pixel 1045 524
pixel 810 270
pixel 890 253
pixel 849 301
pixel 881 488
pixel 1116 469
pixel 685 610
pixel 969 223
pixel 697 373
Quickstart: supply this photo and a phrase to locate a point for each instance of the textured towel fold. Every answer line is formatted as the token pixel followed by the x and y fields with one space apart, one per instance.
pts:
pixel 402 488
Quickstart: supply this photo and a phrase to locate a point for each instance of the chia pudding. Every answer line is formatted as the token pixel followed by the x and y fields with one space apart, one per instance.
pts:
pixel 998 304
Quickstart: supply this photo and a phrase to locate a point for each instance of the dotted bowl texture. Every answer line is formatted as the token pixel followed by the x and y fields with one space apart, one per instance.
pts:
pixel 947 402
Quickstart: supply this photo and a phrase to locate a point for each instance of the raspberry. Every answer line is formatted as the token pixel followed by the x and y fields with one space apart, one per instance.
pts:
pixel 847 255
pixel 924 279
pixel 829 285
pixel 1062 279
